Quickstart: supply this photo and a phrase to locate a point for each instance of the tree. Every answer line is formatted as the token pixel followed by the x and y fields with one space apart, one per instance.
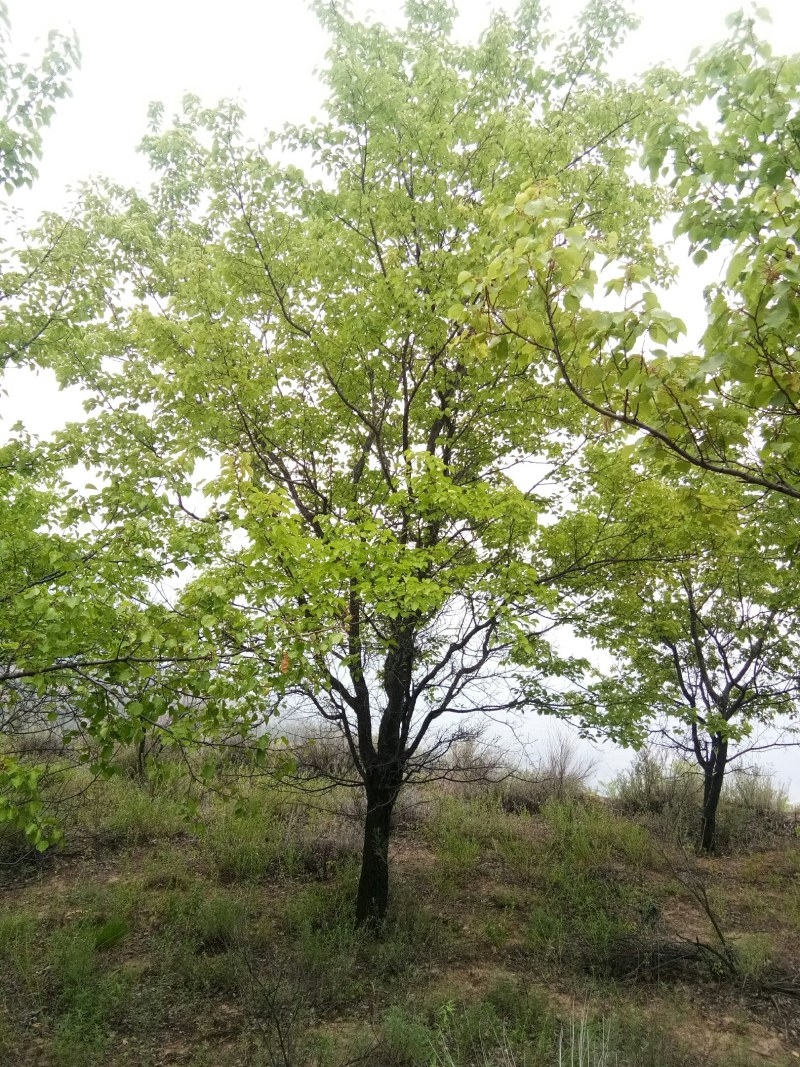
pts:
pixel 707 638
pixel 85 621
pixel 731 409
pixel 27 99
pixel 309 338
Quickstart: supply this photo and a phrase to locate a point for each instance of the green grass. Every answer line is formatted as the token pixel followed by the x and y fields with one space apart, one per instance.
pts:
pixel 88 998
pixel 463 831
pixel 513 1025
pixel 124 813
pixel 241 938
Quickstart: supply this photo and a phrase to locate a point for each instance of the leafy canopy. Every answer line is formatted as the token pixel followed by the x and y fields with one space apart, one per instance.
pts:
pixel 589 308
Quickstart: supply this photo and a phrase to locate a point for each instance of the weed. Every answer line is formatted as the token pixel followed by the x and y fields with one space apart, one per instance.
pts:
pixel 460 830
pixel 584 907
pixel 20 942
pixel 240 847
pixel 754 954
pixel 456 857
pixel 110 933
pixel 406 1039
pixel 591 836
pixel 88 1001
pixel 219 923
pixel 497 933
pixel 125 813
pixel 519 854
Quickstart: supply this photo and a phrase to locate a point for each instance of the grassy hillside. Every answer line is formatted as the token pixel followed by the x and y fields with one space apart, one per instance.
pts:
pixel 531 925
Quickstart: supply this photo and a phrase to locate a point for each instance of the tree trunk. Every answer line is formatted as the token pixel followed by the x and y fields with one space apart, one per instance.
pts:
pixel 141 760
pixel 373 885
pixel 714 773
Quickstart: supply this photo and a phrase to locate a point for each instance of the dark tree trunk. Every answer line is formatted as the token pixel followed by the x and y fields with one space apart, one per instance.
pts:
pixel 141 760
pixel 713 776
pixel 373 885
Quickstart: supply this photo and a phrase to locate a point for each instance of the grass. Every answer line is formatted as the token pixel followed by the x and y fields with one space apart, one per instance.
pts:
pixel 668 793
pixel 154 941
pixel 513 1026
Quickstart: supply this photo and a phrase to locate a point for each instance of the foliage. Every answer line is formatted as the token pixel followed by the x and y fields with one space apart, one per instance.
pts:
pixel 736 186
pixel 732 407
pixel 28 558
pixel 705 636
pixel 28 96
pixel 315 397
pixel 92 643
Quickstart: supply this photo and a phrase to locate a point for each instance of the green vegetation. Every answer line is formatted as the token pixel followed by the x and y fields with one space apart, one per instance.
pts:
pixel 371 362
pixel 380 412
pixel 512 937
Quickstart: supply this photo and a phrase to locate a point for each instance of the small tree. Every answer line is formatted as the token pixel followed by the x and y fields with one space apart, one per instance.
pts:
pixel 707 636
pixel 310 333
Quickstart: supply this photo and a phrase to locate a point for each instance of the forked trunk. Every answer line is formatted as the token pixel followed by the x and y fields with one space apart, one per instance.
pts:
pixel 714 774
pixel 373 886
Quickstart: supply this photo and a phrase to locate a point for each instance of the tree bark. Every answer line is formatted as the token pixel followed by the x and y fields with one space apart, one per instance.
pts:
pixel 713 776
pixel 373 886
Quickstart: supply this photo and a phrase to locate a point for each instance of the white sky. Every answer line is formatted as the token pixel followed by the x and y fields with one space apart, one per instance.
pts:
pixel 264 52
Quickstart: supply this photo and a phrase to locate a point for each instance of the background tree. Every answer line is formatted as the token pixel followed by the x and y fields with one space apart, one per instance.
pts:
pixel 307 336
pixel 86 619
pixel 28 96
pixel 704 641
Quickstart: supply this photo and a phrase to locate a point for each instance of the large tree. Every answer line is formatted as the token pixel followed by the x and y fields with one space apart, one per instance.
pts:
pixel 306 335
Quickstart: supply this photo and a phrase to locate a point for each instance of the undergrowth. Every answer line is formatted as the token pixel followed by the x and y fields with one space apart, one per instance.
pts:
pixel 229 936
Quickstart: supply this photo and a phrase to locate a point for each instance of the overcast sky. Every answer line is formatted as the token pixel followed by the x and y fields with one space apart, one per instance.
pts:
pixel 264 53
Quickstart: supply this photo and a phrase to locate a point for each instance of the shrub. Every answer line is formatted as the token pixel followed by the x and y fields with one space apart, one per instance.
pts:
pixel 671 790
pixel 752 807
pixel 756 791
pixel 16 849
pixel 561 774
pixel 323 753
